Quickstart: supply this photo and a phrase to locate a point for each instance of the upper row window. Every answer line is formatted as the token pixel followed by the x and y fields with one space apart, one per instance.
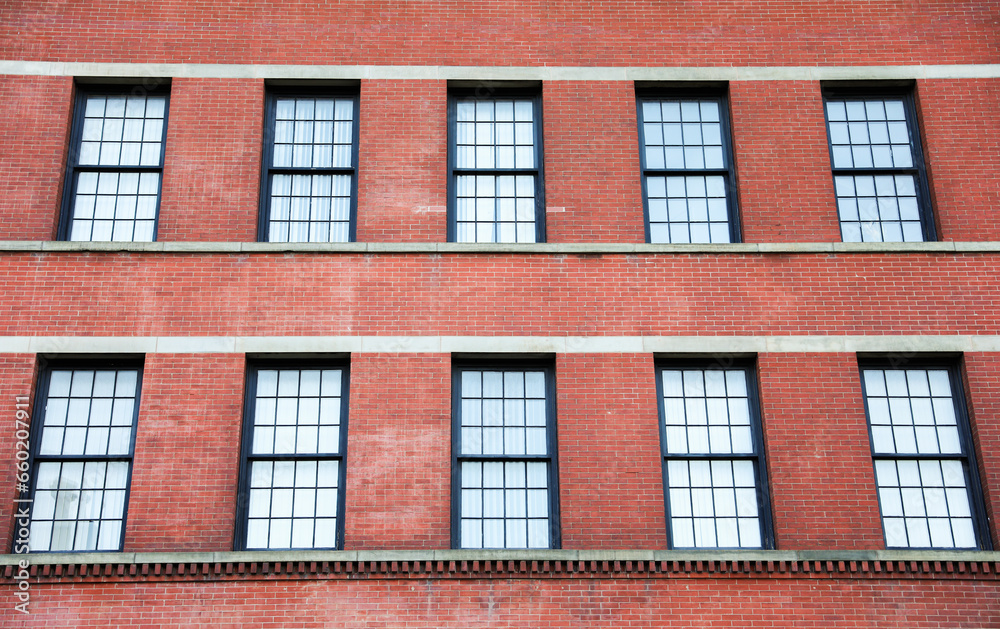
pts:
pixel 495 182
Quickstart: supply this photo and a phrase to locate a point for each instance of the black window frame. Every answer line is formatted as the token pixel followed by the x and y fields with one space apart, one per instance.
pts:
pixel 953 366
pixel 545 365
pixel 490 92
pixel 46 366
pixel 681 93
pixel 758 457
pixel 158 87
pixel 907 93
pixel 272 94
pixel 254 366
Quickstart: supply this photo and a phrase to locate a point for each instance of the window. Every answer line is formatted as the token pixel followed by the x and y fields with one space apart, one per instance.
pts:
pixel 928 487
pixel 496 172
pixel 82 446
pixel 294 439
pixel 504 446
pixel 713 468
pixel 687 172
pixel 114 171
pixel 878 170
pixel 310 189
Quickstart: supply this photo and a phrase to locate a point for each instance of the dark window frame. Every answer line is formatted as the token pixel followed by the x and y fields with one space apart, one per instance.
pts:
pixel 39 403
pixel 758 458
pixel 498 92
pixel 254 365
pixel 272 94
pixel 719 94
pixel 74 168
pixel 907 94
pixel 504 364
pixel 968 458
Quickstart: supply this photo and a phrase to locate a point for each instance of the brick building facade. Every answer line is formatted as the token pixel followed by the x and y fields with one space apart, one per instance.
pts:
pixel 575 315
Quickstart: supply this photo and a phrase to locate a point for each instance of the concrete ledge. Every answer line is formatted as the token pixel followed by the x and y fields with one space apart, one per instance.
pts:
pixel 699 345
pixel 280 556
pixel 889 248
pixel 500 73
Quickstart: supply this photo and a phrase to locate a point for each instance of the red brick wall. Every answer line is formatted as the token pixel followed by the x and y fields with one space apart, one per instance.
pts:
pixel 17 377
pixel 502 294
pixel 403 167
pixel 187 449
pixel 819 461
pixel 211 172
pixel 35 114
pixel 399 452
pixel 610 472
pixel 783 162
pixel 961 136
pixel 534 32
pixel 591 145
pixel 982 380
pixel 556 603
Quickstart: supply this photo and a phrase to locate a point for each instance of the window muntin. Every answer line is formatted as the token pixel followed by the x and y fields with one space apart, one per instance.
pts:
pixel 294 443
pixel 115 171
pixel 877 169
pixel 713 470
pixel 83 461
pixel 310 187
pixel 687 170
pixel 496 171
pixel 505 490
pixel 922 458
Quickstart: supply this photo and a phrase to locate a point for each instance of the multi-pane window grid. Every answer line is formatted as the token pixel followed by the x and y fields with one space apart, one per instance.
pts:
pixel 83 460
pixel 311 171
pixel 920 462
pixel 876 177
pixel 117 169
pixel 294 459
pixel 504 461
pixel 496 170
pixel 711 460
pixel 686 173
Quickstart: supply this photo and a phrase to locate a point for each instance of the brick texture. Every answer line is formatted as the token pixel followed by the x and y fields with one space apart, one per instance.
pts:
pixel 782 162
pixel 591 145
pixel 960 129
pixel 982 382
pixel 610 497
pixel 17 377
pixel 715 32
pixel 502 294
pixel 819 459
pixel 35 114
pixel 218 123
pixel 399 454
pixel 502 603
pixel 187 449
pixel 403 166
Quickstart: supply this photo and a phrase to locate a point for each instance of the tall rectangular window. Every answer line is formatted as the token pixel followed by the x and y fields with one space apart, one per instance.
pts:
pixel 82 446
pixel 115 166
pixel 504 487
pixel 294 439
pixel 496 167
pixel 310 186
pixel 713 462
pixel 928 487
pixel 878 169
pixel 687 169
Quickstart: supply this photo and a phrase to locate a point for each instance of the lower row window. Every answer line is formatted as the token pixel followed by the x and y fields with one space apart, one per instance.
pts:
pixel 295 436
pixel 505 480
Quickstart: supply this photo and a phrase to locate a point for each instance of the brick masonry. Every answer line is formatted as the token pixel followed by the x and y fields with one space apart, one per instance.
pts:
pixel 398 490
